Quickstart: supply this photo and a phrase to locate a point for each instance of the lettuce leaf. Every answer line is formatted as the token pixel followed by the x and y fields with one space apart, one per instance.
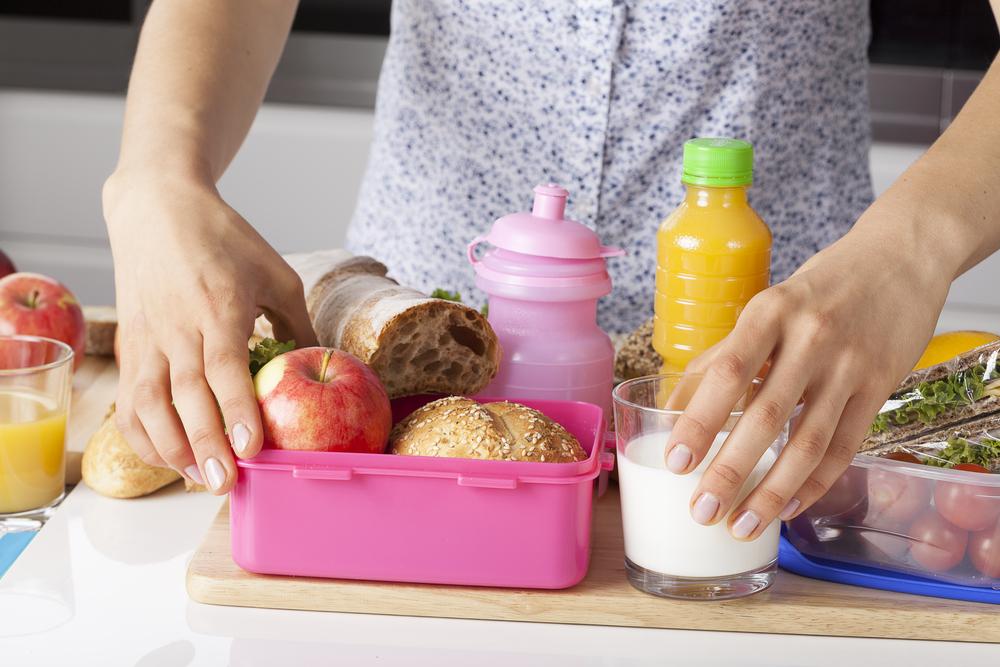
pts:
pixel 265 350
pixel 439 293
pixel 982 451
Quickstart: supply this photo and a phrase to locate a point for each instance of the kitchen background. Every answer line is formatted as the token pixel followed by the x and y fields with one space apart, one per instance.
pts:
pixel 64 68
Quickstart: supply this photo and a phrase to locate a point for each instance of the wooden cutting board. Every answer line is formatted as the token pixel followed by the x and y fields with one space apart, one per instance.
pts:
pixel 94 385
pixel 794 605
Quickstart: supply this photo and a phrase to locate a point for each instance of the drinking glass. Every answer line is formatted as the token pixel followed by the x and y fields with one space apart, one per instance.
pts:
pixel 35 387
pixel 667 553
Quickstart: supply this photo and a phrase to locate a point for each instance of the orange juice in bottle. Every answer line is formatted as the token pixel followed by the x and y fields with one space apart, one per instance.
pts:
pixel 713 252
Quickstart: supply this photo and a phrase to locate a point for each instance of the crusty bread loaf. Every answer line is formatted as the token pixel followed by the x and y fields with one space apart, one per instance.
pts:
pixel 502 431
pixel 636 356
pixel 111 468
pixel 101 324
pixel 415 344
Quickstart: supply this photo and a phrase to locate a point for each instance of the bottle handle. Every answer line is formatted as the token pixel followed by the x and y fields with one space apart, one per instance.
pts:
pixel 471 249
pixel 611 251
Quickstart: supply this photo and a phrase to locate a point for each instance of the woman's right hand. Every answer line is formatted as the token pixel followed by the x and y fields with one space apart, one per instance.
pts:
pixel 191 277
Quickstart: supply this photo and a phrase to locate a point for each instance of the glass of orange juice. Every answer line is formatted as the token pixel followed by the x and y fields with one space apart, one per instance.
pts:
pixel 35 387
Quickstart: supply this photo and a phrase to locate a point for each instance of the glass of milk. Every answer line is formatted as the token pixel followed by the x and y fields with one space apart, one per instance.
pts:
pixel 667 553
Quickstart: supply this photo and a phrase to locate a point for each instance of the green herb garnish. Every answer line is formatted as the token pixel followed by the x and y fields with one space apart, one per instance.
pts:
pixel 485 310
pixel 265 350
pixel 983 452
pixel 439 293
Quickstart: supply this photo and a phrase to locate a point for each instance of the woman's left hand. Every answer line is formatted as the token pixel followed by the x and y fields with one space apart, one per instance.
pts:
pixel 838 334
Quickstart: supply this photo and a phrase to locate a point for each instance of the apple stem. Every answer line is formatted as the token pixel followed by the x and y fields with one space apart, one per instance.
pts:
pixel 326 362
pixel 33 296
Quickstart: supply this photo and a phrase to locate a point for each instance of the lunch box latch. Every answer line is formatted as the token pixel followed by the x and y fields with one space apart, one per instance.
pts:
pixel 334 474
pixel 488 482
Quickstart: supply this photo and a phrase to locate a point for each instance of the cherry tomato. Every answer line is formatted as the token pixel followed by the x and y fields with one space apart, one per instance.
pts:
pixel 895 497
pixel 968 506
pixel 846 496
pixel 984 551
pixel 937 545
pixel 905 457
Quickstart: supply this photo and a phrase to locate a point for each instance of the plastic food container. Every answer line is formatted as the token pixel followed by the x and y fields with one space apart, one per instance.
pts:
pixel 422 519
pixel 920 520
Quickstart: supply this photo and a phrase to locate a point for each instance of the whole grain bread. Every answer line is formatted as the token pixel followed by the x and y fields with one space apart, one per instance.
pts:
pixel 501 431
pixel 636 356
pixel 101 323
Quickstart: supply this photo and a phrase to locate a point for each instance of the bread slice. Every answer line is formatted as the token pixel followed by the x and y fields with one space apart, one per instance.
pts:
pixel 502 431
pixel 101 324
pixel 111 468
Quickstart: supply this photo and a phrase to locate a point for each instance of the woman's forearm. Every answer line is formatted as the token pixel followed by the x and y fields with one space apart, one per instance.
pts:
pixel 946 207
pixel 200 73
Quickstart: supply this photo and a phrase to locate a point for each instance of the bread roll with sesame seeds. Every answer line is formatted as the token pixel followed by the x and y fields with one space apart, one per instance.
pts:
pixel 461 428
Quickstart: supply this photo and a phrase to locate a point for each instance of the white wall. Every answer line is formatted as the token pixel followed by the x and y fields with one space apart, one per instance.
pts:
pixel 296 180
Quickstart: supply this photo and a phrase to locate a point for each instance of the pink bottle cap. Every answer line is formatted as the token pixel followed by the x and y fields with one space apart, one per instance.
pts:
pixel 545 232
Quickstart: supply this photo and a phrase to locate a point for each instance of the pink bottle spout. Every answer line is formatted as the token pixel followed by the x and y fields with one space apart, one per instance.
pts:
pixel 550 201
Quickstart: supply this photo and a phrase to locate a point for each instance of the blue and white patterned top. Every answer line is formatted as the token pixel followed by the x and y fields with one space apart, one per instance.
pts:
pixel 479 101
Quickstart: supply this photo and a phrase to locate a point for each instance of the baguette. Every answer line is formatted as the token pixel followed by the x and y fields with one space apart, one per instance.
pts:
pixel 415 344
pixel 502 431
pixel 111 468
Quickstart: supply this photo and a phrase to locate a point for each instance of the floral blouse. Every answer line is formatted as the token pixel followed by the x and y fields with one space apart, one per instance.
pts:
pixel 479 101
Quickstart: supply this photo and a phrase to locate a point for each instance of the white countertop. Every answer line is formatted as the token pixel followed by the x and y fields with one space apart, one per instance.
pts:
pixel 103 584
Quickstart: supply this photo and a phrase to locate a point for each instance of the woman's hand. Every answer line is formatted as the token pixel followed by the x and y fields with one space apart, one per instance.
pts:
pixel 191 277
pixel 838 334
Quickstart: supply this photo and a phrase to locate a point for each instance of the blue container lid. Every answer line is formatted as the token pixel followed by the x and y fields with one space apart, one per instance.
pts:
pixel 791 559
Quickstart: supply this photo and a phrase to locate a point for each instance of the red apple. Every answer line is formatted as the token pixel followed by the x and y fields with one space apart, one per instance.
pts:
pixel 6 266
pixel 36 305
pixel 322 399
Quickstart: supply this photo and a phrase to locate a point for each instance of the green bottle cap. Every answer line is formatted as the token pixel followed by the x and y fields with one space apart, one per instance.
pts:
pixel 718 162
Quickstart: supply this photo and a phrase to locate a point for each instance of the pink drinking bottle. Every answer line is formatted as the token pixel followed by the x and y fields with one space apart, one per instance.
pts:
pixel 544 275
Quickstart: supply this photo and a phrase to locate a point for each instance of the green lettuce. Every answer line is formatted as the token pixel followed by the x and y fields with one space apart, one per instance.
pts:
pixel 265 350
pixel 983 451
pixel 439 293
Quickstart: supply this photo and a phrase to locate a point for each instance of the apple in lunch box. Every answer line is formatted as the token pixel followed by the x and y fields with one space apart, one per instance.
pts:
pixel 35 305
pixel 6 266
pixel 322 399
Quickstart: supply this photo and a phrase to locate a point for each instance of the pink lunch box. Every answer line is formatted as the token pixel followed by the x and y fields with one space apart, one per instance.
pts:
pixel 422 519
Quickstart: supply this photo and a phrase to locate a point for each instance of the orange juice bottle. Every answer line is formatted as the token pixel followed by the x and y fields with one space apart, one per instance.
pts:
pixel 713 252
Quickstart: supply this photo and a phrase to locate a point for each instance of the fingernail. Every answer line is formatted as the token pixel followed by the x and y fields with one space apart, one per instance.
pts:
pixel 705 508
pixel 240 436
pixel 745 524
pixel 216 474
pixel 678 459
pixel 790 509
pixel 194 474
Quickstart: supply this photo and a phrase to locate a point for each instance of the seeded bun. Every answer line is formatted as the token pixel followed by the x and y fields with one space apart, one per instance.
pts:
pixel 502 431
pixel 636 356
